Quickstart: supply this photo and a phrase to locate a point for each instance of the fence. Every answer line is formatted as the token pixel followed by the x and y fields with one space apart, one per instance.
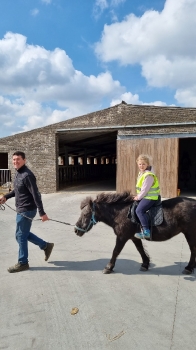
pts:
pixel 73 173
pixel 5 178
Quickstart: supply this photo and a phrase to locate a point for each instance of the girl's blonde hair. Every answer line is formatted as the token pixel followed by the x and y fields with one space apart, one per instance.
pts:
pixel 143 157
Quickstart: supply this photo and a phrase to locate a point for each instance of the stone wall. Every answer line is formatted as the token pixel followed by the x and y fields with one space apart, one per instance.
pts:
pixel 41 154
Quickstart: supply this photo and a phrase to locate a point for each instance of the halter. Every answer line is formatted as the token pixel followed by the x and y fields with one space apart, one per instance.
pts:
pixel 92 221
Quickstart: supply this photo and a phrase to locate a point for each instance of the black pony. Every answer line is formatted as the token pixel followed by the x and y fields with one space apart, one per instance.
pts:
pixel 112 209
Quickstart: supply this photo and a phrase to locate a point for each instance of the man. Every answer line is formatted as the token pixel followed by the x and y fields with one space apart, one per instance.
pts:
pixel 27 200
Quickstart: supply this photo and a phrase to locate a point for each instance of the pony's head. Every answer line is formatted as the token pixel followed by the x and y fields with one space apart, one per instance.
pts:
pixel 100 209
pixel 87 217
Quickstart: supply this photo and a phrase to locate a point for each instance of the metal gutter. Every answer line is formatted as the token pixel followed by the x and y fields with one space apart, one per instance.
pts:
pixel 156 136
pixel 125 126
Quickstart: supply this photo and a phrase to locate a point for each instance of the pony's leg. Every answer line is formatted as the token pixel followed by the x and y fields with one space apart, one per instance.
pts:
pixel 117 249
pixel 145 258
pixel 191 265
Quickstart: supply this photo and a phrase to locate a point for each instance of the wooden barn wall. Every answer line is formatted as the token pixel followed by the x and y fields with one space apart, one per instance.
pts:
pixel 164 153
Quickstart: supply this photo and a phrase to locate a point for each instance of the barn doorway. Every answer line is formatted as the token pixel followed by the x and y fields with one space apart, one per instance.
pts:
pixel 187 167
pixel 3 160
pixel 5 173
pixel 87 157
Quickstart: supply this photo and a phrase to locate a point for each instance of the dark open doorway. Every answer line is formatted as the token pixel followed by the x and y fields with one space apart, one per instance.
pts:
pixel 87 156
pixel 3 160
pixel 5 173
pixel 187 167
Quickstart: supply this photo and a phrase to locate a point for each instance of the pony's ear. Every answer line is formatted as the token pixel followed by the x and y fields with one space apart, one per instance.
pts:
pixel 85 202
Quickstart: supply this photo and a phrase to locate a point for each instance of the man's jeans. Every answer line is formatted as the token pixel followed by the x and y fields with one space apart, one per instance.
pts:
pixel 23 235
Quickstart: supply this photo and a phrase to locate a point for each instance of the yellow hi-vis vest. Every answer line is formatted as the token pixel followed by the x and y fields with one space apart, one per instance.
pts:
pixel 154 191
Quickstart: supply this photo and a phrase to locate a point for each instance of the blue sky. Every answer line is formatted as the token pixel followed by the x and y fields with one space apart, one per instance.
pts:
pixel 61 59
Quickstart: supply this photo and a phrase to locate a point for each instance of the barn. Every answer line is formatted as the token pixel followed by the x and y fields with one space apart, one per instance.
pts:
pixel 105 144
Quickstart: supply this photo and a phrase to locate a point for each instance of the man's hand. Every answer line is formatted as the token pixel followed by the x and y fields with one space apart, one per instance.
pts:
pixel 2 200
pixel 135 198
pixel 44 218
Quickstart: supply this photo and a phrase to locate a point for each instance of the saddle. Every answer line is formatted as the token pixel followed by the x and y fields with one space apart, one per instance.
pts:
pixel 155 213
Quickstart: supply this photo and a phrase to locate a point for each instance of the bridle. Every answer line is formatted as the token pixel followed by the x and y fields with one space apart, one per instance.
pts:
pixel 91 223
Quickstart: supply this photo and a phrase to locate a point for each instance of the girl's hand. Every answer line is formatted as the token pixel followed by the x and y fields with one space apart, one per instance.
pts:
pixel 135 198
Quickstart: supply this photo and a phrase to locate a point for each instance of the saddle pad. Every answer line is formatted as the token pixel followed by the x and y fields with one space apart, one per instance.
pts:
pixel 155 215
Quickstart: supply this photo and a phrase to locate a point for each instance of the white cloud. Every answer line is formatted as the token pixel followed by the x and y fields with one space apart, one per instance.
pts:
pixel 101 5
pixel 114 17
pixel 39 87
pixel 187 96
pixel 129 98
pixel 163 43
pixel 34 12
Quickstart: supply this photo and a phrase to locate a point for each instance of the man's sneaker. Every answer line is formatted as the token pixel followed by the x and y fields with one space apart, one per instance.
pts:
pixel 18 267
pixel 143 235
pixel 48 250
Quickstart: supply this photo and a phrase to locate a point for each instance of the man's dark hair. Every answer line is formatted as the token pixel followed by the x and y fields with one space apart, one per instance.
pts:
pixel 19 153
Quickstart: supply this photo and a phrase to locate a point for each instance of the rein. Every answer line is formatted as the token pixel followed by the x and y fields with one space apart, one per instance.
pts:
pixel 91 223
pixel 2 207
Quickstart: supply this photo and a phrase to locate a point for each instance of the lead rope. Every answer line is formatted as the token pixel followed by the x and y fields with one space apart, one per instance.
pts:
pixel 2 207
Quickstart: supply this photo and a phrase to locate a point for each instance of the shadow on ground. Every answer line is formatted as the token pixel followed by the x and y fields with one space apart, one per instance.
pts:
pixel 123 266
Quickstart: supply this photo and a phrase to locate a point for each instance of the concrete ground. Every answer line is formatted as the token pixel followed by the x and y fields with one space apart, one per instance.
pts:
pixel 127 309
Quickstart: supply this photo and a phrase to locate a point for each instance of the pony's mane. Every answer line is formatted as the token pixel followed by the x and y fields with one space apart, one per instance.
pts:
pixel 110 198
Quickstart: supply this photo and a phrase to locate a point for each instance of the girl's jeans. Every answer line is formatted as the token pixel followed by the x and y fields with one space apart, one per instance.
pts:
pixel 143 206
pixel 23 235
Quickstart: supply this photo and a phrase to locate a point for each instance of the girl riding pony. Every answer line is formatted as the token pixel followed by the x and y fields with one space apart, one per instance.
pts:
pixel 148 191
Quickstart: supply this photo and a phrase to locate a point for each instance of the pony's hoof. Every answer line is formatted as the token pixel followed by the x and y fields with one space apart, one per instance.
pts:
pixel 143 268
pixel 187 272
pixel 107 271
